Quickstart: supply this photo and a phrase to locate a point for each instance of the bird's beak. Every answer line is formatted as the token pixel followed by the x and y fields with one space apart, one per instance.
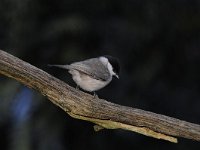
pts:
pixel 116 76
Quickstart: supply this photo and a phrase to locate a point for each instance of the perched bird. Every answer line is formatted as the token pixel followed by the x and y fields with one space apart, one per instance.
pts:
pixel 93 74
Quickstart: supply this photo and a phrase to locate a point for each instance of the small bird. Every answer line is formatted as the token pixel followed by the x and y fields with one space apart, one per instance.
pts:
pixel 93 74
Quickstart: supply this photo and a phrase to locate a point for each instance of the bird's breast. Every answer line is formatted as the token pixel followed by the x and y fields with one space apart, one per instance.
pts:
pixel 87 82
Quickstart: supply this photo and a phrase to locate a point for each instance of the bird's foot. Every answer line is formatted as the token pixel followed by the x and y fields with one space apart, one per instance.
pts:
pixel 77 87
pixel 95 95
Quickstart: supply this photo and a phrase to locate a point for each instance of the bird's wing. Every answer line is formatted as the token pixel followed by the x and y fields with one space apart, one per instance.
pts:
pixel 92 67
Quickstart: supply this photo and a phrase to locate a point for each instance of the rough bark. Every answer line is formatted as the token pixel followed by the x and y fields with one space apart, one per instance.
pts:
pixel 84 106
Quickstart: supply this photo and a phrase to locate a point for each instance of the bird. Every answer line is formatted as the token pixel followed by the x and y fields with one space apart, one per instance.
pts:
pixel 93 74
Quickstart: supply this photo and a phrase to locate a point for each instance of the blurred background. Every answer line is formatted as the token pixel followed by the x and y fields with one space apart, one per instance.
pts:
pixel 157 43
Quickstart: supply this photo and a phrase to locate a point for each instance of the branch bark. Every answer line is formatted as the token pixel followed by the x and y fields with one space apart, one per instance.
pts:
pixel 104 114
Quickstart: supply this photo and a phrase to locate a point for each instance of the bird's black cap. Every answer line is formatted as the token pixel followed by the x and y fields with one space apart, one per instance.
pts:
pixel 114 62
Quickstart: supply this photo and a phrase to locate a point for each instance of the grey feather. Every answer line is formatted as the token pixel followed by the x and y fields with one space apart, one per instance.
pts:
pixel 92 67
pixel 60 66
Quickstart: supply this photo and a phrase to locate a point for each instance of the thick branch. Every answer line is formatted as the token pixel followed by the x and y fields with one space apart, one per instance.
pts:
pixel 105 114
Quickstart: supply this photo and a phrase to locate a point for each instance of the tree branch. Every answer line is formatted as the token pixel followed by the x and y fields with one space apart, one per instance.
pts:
pixel 105 114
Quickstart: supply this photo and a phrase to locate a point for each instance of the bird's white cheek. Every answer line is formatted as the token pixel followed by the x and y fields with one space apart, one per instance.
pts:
pixel 107 64
pixel 110 69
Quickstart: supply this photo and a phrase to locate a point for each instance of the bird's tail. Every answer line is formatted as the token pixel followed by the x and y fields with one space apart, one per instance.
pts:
pixel 60 66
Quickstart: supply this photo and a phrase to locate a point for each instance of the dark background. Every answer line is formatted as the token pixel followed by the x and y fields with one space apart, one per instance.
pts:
pixel 157 43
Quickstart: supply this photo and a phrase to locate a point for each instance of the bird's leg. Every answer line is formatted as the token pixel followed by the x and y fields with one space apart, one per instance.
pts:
pixel 95 95
pixel 77 87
